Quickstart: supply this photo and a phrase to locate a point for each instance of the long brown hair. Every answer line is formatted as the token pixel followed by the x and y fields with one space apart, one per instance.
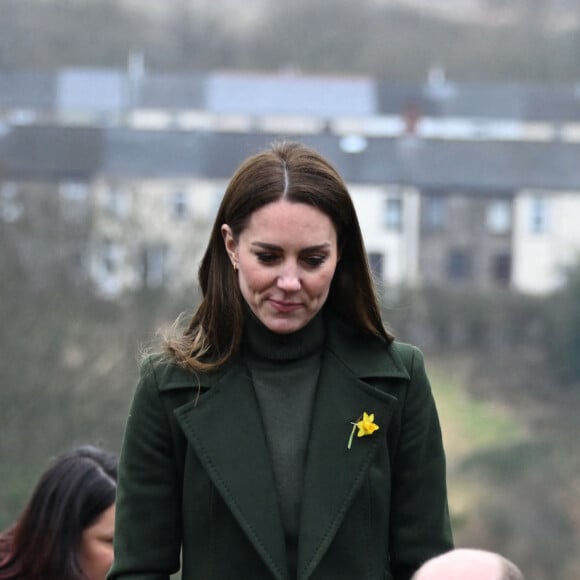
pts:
pixel 69 497
pixel 298 174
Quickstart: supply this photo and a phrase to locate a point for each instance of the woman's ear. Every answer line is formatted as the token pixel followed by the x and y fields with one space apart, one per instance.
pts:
pixel 230 244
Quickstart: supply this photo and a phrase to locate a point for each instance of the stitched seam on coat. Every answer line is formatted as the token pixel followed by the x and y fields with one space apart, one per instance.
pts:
pixel 342 509
pixel 239 511
pixel 367 527
pixel 212 534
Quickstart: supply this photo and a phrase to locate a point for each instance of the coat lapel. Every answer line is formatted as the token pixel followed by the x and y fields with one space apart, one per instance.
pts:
pixel 334 474
pixel 226 431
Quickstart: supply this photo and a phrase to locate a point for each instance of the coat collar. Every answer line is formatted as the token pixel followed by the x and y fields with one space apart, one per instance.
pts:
pixel 366 356
pixel 226 430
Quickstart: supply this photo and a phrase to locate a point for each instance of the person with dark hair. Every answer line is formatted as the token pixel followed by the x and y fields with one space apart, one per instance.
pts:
pixel 65 532
pixel 469 564
pixel 284 434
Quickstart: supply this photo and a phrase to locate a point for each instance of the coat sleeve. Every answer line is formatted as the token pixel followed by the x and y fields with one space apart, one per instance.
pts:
pixel 420 526
pixel 148 509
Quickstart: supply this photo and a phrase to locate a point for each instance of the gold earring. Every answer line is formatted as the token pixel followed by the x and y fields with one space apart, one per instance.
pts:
pixel 235 265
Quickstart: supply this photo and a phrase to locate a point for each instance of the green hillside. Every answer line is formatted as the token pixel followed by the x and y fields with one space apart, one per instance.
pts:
pixel 513 474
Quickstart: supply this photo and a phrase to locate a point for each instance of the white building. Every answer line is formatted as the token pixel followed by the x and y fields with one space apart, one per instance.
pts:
pixel 546 238
pixel 150 233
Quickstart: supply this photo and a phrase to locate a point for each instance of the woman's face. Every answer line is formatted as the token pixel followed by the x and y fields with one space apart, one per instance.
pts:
pixel 96 549
pixel 286 258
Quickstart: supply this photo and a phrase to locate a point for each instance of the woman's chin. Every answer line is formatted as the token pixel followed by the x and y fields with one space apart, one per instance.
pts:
pixel 284 324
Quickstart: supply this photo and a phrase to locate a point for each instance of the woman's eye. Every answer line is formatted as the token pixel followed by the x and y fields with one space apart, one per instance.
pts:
pixel 314 261
pixel 266 257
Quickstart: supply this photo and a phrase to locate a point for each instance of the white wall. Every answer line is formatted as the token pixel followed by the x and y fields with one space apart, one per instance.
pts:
pixel 539 257
pixel 399 247
pixel 147 219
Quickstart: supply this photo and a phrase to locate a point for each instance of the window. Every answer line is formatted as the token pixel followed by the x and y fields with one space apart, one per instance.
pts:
pixel 74 191
pixel 154 266
pixel 78 258
pixel 459 265
pixel 394 213
pixel 11 208
pixel 376 262
pixel 110 256
pixel 539 215
pixel 501 269
pixel 179 208
pixel 74 198
pixel 434 213
pixel 117 202
pixel 499 217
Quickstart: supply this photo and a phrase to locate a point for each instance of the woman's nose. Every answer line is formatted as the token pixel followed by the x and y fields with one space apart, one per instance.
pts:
pixel 289 279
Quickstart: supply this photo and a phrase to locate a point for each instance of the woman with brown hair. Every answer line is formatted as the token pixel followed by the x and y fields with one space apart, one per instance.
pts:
pixel 65 532
pixel 284 434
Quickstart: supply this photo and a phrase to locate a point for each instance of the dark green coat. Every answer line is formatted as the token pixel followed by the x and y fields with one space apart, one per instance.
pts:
pixel 198 473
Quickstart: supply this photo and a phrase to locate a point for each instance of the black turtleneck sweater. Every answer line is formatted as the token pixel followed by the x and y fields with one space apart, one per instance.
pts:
pixel 284 370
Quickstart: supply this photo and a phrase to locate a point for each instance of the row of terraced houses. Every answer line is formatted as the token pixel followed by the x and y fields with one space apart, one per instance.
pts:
pixel 114 176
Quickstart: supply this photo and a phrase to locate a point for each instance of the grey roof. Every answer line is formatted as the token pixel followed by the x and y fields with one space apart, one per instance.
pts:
pixel 553 104
pixel 489 166
pixel 394 99
pixel 143 154
pixel 46 153
pixel 428 164
pixel 504 102
pixel 253 93
pixel 485 101
pixel 91 90
pixel 289 94
pixel 171 91
pixel 27 90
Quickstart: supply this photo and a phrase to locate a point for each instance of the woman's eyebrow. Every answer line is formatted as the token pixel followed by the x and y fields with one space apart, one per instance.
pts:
pixel 265 246
pixel 315 248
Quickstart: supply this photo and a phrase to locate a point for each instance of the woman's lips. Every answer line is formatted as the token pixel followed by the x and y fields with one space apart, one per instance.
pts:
pixel 285 306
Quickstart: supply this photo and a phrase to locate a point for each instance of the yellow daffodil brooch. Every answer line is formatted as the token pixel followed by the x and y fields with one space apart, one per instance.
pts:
pixel 366 426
